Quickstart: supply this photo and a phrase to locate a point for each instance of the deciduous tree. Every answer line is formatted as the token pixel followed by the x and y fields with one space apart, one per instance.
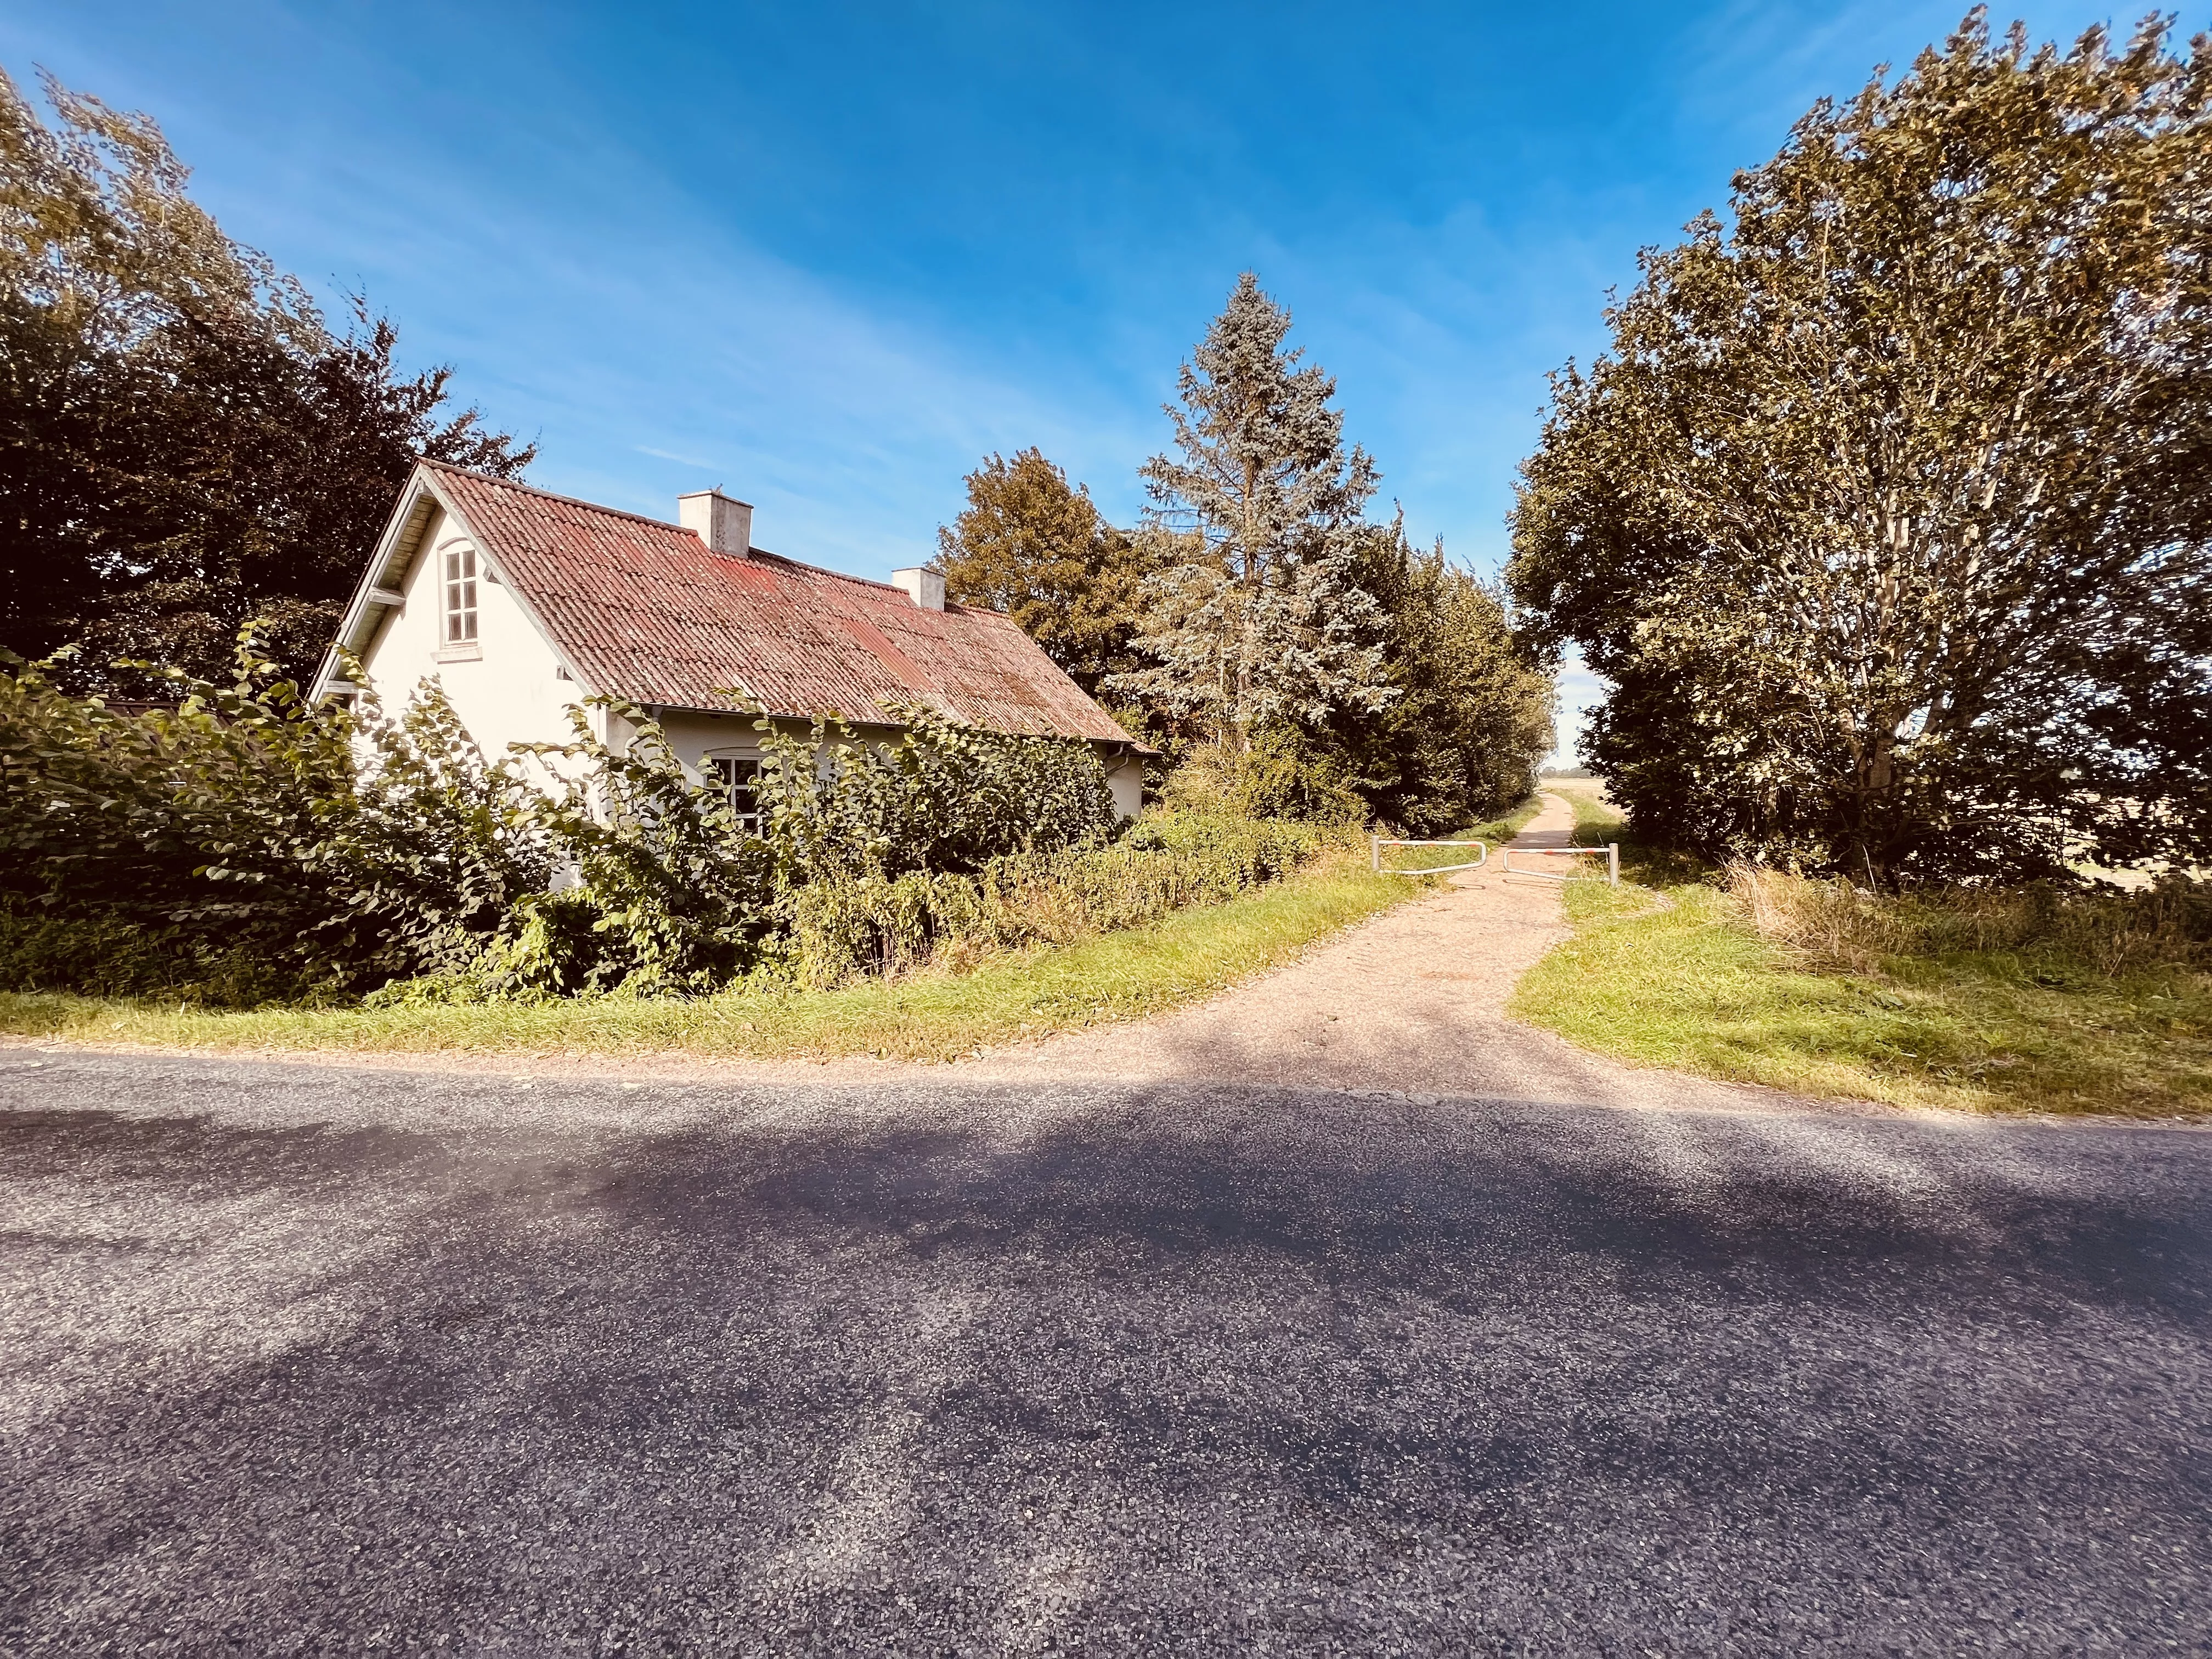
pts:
pixel 1888 512
pixel 1472 718
pixel 185 440
pixel 1031 544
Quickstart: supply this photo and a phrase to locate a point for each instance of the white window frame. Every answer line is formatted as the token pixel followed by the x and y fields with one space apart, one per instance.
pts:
pixel 736 779
pixel 457 568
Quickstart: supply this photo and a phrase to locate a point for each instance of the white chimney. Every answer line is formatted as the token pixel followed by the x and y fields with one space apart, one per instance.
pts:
pixel 726 526
pixel 922 585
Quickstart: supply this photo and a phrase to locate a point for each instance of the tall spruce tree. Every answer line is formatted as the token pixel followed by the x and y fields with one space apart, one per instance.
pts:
pixel 1256 616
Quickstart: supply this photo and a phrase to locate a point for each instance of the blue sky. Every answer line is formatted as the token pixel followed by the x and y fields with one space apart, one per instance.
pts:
pixel 827 257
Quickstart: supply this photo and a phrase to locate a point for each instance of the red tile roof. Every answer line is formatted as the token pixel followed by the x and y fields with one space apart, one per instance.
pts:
pixel 644 610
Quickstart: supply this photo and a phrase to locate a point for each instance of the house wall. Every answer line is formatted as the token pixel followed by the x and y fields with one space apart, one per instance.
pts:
pixel 693 737
pixel 508 690
pixel 1127 780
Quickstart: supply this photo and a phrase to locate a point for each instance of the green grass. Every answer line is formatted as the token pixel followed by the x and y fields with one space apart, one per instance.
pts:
pixel 1672 973
pixel 1502 829
pixel 928 1016
pixel 1597 820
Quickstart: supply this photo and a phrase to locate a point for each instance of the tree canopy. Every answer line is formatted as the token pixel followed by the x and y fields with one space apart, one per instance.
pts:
pixel 1888 513
pixel 1254 616
pixel 1471 716
pixel 185 442
pixel 1031 544
pixel 1291 657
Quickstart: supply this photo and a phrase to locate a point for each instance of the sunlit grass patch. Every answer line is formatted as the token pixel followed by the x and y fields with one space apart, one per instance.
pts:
pixel 1676 975
pixel 1597 820
pixel 934 1014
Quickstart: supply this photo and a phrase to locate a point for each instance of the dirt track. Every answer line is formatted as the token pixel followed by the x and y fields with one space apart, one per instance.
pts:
pixel 1413 1001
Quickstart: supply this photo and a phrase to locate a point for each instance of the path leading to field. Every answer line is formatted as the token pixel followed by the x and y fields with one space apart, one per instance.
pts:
pixel 1340 1315
pixel 1413 1002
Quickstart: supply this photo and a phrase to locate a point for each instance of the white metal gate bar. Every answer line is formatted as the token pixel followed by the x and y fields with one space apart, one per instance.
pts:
pixel 1611 849
pixel 1375 856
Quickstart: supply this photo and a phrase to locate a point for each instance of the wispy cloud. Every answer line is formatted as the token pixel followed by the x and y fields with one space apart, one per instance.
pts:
pixel 939 233
pixel 670 455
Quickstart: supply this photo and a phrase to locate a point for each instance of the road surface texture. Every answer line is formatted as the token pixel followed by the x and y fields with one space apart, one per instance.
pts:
pixel 304 1358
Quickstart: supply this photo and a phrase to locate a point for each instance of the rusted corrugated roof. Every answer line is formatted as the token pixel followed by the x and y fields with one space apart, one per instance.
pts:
pixel 646 611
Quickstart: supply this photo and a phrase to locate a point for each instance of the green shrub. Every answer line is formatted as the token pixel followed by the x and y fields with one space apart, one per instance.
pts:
pixel 246 843
pixel 249 845
pixel 845 927
pixel 1279 776
pixel 664 891
pixel 946 797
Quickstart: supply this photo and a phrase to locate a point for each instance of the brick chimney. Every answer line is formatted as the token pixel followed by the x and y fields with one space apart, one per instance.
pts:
pixel 724 525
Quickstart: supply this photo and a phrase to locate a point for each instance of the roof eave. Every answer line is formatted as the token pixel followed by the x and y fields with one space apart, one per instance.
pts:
pixel 395 551
pixel 372 597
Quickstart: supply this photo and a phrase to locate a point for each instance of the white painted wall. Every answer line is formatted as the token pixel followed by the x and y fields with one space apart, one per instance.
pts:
pixel 1127 780
pixel 695 736
pixel 508 689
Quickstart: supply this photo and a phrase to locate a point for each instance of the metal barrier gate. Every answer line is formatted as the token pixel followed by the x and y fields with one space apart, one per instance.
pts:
pixel 1375 856
pixel 1611 850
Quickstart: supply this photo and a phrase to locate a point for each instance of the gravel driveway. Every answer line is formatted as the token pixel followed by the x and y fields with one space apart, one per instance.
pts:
pixel 304 1358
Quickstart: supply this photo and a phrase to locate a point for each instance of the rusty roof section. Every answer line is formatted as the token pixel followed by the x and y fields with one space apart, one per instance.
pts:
pixel 646 611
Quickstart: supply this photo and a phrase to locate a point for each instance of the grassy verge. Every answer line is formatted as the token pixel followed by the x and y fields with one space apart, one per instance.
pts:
pixel 1597 820
pixel 1671 972
pixel 1500 830
pixel 932 1015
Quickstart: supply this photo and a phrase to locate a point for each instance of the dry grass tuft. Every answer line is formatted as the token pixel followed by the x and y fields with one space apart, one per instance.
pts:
pixel 1834 926
pixel 2033 999
pixel 1822 925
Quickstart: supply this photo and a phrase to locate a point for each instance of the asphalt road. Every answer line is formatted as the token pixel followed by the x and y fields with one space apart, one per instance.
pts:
pixel 295 1358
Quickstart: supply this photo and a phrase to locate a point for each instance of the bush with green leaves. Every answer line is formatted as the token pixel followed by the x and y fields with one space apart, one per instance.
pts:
pixel 1284 774
pixel 945 797
pixel 876 923
pixel 858 865
pixel 664 890
pixel 247 843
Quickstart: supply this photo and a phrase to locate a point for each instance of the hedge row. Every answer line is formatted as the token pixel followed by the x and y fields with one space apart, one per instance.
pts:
pixel 874 924
pixel 247 845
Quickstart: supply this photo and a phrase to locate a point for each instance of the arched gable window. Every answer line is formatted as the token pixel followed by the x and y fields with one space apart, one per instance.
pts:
pixel 460 593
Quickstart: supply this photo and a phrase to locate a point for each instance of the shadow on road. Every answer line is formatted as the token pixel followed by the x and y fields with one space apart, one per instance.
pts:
pixel 1206 1369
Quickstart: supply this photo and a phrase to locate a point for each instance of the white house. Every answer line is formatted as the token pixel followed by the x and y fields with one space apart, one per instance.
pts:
pixel 523 603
